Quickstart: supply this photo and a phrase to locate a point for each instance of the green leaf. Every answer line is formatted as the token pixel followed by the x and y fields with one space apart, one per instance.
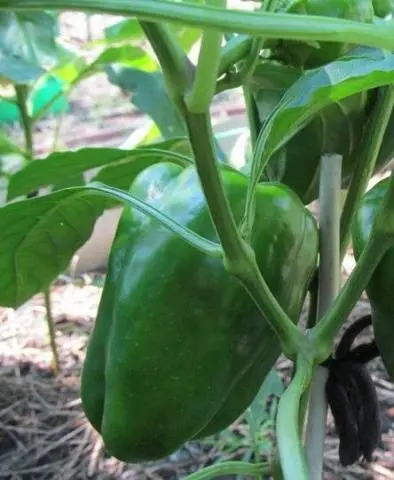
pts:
pixel 129 30
pixel 40 235
pixel 75 68
pixel 59 166
pixel 149 94
pixel 18 71
pixel 334 129
pixel 27 45
pixel 364 69
pixel 38 239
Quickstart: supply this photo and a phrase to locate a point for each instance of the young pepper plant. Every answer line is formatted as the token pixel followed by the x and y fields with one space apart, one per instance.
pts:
pixel 369 69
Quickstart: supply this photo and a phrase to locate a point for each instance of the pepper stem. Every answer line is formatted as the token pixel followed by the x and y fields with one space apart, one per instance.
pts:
pixel 380 240
pixel 239 256
pixel 365 162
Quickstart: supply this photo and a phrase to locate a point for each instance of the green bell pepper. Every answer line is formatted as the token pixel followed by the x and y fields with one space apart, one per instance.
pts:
pixel 381 286
pixel 181 349
pixel 148 186
pixel 383 7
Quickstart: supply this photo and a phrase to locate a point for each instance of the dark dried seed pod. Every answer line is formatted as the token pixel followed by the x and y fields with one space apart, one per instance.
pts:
pixel 345 421
pixel 368 417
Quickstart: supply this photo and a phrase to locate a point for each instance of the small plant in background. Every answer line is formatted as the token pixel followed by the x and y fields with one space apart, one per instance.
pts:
pixel 211 265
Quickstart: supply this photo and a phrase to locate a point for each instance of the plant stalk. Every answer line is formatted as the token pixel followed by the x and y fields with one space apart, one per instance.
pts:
pixel 239 255
pixel 233 51
pixel 291 452
pixel 177 69
pixel 323 333
pixel 51 330
pixel 27 125
pixel 365 161
pixel 329 285
pixel 203 89
pixel 266 24
pixel 22 92
pixel 380 240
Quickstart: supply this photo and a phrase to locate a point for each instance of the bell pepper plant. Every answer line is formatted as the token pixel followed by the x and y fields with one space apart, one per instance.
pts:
pixel 211 265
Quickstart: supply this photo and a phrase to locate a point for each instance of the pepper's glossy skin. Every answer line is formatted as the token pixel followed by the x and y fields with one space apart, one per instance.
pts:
pixel 383 7
pixel 148 186
pixel 381 286
pixel 187 349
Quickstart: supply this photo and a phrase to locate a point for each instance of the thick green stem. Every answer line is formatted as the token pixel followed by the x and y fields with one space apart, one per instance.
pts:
pixel 251 61
pixel 365 161
pixel 268 25
pixel 291 452
pixel 235 50
pixel 203 90
pixel 200 134
pixel 329 285
pixel 27 124
pixel 177 68
pixel 380 240
pixel 323 333
pixel 239 255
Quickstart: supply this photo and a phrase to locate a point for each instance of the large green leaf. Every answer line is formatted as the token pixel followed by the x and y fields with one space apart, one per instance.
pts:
pixel 59 166
pixel 78 68
pixel 27 45
pixel 364 69
pixel 40 235
pixel 38 238
pixel 149 94
pixel 18 71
